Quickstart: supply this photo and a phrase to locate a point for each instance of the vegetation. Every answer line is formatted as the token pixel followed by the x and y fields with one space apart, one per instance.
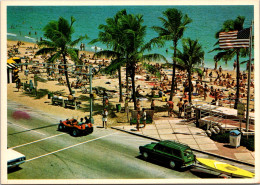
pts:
pixel 125 35
pixel 59 43
pixel 188 59
pixel 174 25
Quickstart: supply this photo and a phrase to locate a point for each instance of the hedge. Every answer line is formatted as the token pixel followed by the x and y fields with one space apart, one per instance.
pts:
pixel 224 138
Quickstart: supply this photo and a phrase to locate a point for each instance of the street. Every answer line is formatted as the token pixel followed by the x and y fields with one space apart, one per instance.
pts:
pixel 104 154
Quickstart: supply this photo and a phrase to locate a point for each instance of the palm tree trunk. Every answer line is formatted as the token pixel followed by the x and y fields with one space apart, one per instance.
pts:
pixel 120 85
pixel 132 73
pixel 66 73
pixel 173 71
pixel 238 80
pixel 126 77
pixel 190 85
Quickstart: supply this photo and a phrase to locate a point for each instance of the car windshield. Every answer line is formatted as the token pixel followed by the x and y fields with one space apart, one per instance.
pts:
pixel 187 152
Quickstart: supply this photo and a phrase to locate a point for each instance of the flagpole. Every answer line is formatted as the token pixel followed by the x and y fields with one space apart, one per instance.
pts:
pixel 249 79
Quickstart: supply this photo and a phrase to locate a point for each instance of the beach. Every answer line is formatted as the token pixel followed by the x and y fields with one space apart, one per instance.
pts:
pixel 110 83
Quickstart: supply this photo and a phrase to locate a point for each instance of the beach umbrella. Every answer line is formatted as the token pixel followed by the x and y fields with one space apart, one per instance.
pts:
pixel 10 61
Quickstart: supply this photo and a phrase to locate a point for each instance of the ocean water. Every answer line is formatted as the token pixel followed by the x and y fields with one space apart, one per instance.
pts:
pixel 206 21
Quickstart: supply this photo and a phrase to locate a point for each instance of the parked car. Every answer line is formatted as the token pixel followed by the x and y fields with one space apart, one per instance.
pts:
pixel 175 154
pixel 14 158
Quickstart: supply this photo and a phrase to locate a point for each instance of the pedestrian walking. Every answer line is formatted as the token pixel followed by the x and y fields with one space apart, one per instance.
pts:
pixel 104 118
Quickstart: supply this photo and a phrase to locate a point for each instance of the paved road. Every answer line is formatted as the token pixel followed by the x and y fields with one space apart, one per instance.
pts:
pixel 104 154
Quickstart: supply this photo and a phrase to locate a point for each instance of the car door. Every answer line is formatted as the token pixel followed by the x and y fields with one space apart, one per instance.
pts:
pixel 162 153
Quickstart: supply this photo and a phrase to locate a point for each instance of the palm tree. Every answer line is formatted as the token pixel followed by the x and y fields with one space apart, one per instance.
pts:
pixel 231 25
pixel 112 37
pixel 174 25
pixel 135 47
pixel 125 35
pixel 59 43
pixel 190 57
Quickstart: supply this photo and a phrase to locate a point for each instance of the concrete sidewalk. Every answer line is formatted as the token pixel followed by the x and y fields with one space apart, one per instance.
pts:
pixel 187 133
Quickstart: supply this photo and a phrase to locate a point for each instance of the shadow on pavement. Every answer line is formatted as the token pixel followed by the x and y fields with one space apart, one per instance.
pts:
pixel 28 130
pixel 162 164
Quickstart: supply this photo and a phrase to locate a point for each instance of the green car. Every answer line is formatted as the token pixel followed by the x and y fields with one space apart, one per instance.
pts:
pixel 173 153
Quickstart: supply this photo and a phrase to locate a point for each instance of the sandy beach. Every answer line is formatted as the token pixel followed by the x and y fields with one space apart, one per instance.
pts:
pixel 111 85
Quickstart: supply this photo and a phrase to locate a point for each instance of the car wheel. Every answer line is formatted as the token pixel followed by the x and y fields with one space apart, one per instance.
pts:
pixel 172 164
pixel 145 155
pixel 75 132
pixel 61 127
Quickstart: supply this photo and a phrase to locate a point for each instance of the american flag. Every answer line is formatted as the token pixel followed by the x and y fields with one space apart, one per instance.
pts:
pixel 234 39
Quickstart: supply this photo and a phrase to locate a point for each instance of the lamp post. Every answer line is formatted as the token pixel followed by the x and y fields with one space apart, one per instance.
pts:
pixel 91 95
pixel 249 80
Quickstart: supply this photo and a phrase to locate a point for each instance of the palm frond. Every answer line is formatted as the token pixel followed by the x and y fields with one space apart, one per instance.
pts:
pixel 108 54
pixel 73 53
pixel 54 57
pixel 46 43
pixel 73 43
pixel 45 50
pixel 153 57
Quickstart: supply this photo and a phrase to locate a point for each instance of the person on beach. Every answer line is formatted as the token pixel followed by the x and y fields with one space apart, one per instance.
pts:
pixel 235 64
pixel 180 104
pixel 104 118
pixel 138 120
pixel 220 69
pixel 216 65
pixel 144 117
pixel 207 70
pixel 184 106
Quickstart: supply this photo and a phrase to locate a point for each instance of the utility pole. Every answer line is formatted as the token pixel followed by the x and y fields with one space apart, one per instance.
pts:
pixel 249 80
pixel 91 95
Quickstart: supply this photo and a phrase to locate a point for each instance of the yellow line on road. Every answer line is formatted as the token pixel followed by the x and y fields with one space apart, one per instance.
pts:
pixel 37 141
pixel 68 147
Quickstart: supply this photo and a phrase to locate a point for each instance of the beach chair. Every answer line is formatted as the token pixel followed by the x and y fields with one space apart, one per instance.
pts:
pixel 72 103
pixel 57 101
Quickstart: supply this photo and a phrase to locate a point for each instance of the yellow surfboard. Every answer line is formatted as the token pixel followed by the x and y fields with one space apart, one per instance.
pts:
pixel 225 168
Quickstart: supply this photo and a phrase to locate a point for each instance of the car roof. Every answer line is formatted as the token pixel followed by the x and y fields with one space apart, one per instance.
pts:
pixel 173 144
